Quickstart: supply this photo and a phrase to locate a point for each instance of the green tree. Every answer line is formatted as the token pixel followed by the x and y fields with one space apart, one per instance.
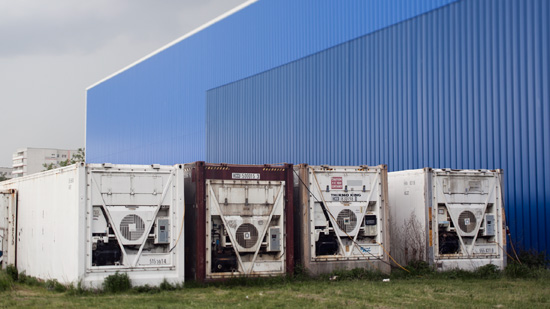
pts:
pixel 3 176
pixel 79 156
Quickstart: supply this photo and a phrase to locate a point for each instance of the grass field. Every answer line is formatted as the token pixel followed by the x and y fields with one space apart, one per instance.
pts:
pixel 429 291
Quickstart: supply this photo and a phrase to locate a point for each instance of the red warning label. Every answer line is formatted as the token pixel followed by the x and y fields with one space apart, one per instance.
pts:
pixel 336 183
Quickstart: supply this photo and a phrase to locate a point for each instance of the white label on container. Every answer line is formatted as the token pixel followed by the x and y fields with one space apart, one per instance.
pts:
pixel 245 176
pixel 161 261
pixel 345 197
pixel 481 249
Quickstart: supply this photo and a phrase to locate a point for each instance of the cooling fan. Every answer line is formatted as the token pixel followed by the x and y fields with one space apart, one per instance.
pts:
pixel 466 218
pixel 246 231
pixel 132 222
pixel 348 219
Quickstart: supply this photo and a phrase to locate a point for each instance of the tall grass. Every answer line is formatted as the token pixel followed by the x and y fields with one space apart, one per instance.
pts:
pixel 532 266
pixel 117 283
pixel 6 282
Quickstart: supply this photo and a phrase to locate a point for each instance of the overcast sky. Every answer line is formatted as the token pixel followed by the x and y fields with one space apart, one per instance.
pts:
pixel 52 50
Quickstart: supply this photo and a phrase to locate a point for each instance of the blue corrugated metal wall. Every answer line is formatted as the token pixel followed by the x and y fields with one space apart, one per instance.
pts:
pixel 155 111
pixel 465 86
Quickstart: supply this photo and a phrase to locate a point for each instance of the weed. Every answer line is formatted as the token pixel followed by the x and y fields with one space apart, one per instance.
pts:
pixel 28 280
pixel 77 290
pixel 454 274
pixel 356 274
pixel 419 268
pixel 147 289
pixel 166 286
pixel 532 264
pixel 516 270
pixel 6 282
pixel 54 285
pixel 252 281
pixel 488 271
pixel 119 282
pixel 12 272
pixel 533 258
pixel 301 273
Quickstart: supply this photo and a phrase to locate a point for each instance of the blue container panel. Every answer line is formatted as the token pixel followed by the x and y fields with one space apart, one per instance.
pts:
pixel 465 87
pixel 155 111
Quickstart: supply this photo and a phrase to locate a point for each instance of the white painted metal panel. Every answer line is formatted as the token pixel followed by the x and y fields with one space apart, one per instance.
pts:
pixel 61 221
pixel 343 217
pixel 243 218
pixel 48 231
pixel 132 198
pixel 460 212
pixel 407 193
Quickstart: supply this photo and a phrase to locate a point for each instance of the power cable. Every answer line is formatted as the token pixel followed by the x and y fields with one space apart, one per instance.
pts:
pixel 181 229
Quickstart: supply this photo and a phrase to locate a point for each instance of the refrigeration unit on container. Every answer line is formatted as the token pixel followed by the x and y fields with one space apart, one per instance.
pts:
pixel 448 218
pixel 239 220
pixel 341 219
pixel 83 223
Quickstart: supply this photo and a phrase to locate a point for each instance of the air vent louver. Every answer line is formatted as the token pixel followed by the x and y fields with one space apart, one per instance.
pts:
pixel 132 227
pixel 247 235
pixel 467 221
pixel 346 220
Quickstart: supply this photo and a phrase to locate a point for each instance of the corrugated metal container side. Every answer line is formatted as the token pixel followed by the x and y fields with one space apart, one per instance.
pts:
pixel 452 219
pixel 239 220
pixel 341 218
pixel 82 223
pixel 154 111
pixel 462 87
pixel 45 226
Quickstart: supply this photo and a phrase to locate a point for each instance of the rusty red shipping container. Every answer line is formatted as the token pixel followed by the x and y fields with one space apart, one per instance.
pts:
pixel 239 220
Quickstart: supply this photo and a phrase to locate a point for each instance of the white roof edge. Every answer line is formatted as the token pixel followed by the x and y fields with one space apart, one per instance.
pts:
pixel 208 24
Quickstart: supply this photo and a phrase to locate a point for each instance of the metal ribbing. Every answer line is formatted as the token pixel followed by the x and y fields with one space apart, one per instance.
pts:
pixel 154 112
pixel 464 86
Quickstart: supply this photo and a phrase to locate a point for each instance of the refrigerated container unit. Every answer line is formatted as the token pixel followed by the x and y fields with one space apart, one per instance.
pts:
pixel 83 223
pixel 341 219
pixel 452 219
pixel 239 220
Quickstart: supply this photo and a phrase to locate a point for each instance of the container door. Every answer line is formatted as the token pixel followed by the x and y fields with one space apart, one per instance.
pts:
pixel 133 222
pixel 245 228
pixel 7 227
pixel 346 214
pixel 467 215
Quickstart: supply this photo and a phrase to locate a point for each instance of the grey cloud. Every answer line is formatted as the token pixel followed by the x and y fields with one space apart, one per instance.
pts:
pixel 51 50
pixel 66 26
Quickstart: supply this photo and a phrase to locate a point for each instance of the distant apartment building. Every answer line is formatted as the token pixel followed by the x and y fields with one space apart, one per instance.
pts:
pixel 5 172
pixel 31 160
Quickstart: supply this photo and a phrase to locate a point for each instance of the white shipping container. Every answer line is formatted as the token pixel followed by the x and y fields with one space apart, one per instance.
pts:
pixel 342 217
pixel 448 218
pixel 83 223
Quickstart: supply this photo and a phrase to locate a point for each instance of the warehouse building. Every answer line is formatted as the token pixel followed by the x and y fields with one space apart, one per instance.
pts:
pixel 441 83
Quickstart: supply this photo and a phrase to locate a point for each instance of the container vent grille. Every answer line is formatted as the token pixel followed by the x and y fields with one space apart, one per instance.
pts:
pixel 247 235
pixel 346 220
pixel 467 221
pixel 132 227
